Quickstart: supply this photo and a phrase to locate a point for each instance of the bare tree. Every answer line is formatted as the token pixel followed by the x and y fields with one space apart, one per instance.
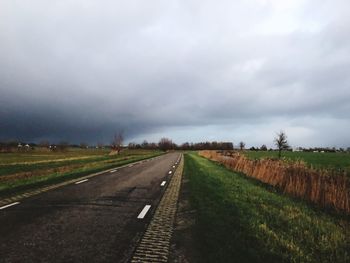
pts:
pixel 242 146
pixel 117 142
pixel 132 145
pixel 165 144
pixel 263 147
pixel 152 145
pixel 281 142
pixel 145 144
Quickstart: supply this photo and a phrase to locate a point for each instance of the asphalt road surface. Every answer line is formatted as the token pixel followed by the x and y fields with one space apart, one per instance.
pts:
pixel 93 221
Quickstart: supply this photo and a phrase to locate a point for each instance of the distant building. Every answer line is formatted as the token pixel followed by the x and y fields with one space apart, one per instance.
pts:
pixel 19 147
pixel 297 149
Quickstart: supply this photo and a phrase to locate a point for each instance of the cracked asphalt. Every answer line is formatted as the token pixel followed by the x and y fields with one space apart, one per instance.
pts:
pixel 94 221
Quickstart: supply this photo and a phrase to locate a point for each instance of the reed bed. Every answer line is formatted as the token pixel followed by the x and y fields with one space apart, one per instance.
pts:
pixel 325 188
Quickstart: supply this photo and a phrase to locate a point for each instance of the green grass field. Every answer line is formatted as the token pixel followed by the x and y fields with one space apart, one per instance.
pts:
pixel 22 170
pixel 241 220
pixel 43 155
pixel 317 160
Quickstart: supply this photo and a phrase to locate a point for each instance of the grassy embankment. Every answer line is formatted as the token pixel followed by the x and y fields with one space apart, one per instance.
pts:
pixel 240 220
pixel 316 160
pixel 21 171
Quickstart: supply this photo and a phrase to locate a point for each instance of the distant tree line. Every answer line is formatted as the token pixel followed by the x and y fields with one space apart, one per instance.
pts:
pixel 207 146
pixel 167 144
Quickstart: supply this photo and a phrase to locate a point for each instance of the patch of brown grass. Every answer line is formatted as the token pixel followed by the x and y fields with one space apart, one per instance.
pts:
pixel 37 173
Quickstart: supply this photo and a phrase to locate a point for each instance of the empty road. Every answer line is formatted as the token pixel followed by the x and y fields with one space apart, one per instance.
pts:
pixel 96 220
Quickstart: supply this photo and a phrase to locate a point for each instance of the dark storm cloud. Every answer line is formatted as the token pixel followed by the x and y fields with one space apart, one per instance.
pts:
pixel 191 70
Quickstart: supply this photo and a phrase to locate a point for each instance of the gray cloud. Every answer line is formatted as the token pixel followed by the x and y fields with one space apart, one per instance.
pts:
pixel 191 70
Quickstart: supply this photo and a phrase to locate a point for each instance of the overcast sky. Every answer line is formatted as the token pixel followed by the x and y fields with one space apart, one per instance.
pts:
pixel 191 70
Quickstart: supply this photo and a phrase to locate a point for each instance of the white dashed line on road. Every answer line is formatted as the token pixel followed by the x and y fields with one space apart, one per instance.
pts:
pixel 144 212
pixel 82 181
pixel 6 206
pixel 163 183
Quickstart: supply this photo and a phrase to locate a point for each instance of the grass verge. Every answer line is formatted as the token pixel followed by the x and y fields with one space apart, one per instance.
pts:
pixel 239 220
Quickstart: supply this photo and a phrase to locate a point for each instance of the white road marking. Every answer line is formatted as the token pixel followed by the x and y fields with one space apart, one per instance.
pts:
pixel 113 171
pixel 82 181
pixel 163 183
pixel 6 206
pixel 144 212
pixel 170 172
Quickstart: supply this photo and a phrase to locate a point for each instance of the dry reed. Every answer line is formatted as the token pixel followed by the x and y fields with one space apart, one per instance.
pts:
pixel 324 188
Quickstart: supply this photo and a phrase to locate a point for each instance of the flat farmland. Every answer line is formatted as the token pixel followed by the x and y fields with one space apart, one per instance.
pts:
pixel 42 155
pixel 325 160
pixel 22 170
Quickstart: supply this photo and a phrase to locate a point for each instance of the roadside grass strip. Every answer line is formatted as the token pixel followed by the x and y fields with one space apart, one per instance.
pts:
pixel 154 245
pixel 241 220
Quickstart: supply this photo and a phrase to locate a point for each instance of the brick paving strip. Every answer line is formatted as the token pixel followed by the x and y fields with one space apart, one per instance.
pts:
pixel 30 193
pixel 154 245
